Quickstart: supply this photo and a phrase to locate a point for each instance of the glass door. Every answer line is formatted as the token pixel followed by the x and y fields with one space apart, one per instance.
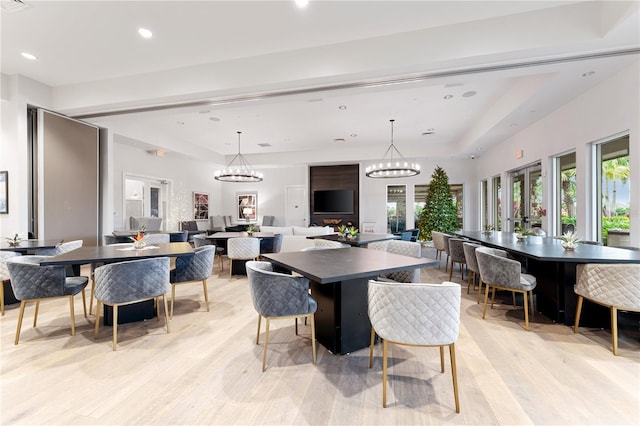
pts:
pixel 145 197
pixel 396 208
pixel 526 195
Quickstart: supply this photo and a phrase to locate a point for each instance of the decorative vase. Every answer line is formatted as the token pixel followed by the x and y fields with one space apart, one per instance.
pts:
pixel 139 244
pixel 568 246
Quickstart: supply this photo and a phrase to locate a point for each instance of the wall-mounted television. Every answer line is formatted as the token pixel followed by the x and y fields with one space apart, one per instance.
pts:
pixel 331 201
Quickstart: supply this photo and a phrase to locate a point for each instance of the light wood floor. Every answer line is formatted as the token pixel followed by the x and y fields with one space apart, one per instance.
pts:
pixel 208 371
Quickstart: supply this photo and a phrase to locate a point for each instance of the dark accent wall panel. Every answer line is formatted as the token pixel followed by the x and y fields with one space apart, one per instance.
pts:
pixel 335 177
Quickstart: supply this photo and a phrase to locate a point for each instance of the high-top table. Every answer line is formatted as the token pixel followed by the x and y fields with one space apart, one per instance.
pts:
pixel 339 280
pixel 555 271
pixel 119 253
pixel 361 240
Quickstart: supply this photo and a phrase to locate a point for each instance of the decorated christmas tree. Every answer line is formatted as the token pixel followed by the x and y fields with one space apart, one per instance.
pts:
pixel 439 213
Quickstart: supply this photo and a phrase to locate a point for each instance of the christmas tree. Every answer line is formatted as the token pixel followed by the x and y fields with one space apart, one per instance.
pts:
pixel 439 213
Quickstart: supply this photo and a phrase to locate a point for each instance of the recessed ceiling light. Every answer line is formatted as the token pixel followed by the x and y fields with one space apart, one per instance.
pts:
pixel 448 96
pixel 469 94
pixel 316 100
pixel 145 33
pixel 29 56
pixel 514 124
pixel 214 119
pixel 429 132
pixel 353 135
pixel 264 145
pixel 205 112
pixel 302 3
pixel 338 140
pixel 588 73
pixel 180 122
pixel 342 107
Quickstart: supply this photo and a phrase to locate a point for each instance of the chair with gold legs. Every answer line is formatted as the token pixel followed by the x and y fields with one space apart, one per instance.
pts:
pixel 193 268
pixel 33 283
pixel 242 248
pixel 415 314
pixel 133 281
pixel 616 286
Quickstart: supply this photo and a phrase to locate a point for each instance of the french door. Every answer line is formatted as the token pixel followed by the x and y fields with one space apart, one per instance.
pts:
pixel 526 197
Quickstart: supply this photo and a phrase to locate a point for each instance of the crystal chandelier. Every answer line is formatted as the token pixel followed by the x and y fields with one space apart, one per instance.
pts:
pixel 238 170
pixel 390 167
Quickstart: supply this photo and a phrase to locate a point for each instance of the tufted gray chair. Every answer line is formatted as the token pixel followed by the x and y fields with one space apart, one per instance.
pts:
pixel 128 282
pixel 60 248
pixel 110 239
pixel 498 272
pixel 415 314
pixel 277 242
pixel 242 248
pixel 320 242
pixel 4 273
pixel 447 249
pixel 32 283
pixel 405 248
pixel 616 286
pixel 181 237
pixel 151 239
pixel 456 254
pixel 438 243
pixel 472 266
pixel 279 296
pixel 192 268
pixel 268 220
pixel 201 241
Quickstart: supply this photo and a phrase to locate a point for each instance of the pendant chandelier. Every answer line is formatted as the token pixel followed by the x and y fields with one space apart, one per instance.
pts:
pixel 238 170
pixel 390 166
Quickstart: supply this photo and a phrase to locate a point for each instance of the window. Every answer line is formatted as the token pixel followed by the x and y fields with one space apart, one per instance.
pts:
pixel 527 197
pixel 396 208
pixel 614 195
pixel 496 202
pixel 565 182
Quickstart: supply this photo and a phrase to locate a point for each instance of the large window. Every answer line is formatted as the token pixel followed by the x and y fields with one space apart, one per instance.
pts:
pixel 565 181
pixel 527 197
pixel 396 208
pixel 614 195
pixel 496 203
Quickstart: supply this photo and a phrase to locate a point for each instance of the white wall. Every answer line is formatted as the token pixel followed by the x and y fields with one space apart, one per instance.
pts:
pixel 609 109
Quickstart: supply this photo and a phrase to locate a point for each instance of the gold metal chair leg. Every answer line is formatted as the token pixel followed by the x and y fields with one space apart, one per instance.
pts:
pixel 35 315
pixel 479 290
pixel 230 267
pixel 451 271
pixel 2 297
pixel 385 345
pixel 206 296
pixel 454 375
pixel 578 311
pixel 313 338
pixel 93 287
pixel 84 303
pixel 115 327
pixel 486 299
pixel 493 296
pixel 258 333
pixel 614 329
pixel 20 315
pixel 173 297
pixel 531 309
pixel 166 312
pixel 442 359
pixel 513 298
pixel 266 342
pixel 526 311
pixel 97 325
pixel 373 337
pixel 73 319
pixel 156 301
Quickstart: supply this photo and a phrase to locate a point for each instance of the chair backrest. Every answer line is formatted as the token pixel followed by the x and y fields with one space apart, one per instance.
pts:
pixel 611 284
pixel 446 238
pixel 268 220
pixel 591 243
pixel 415 313
pixel 496 269
pixel 438 240
pixel 415 234
pixel 405 248
pixel 157 238
pixel 150 223
pixel 470 256
pixel 132 280
pixel 275 294
pixel 227 221
pixel 196 266
pixel 110 239
pixel 456 251
pixel 180 237
pixel 277 243
pixel 405 235
pixel 216 223
pixel 243 248
pixel 320 242
pixel 188 225
pixel 201 241
pixel 60 248
pixel 29 280
pixel 4 271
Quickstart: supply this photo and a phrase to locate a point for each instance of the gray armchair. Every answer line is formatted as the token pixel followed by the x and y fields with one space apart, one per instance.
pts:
pixel 472 266
pixel 456 254
pixel 438 243
pixel 4 273
pixel 268 220
pixel 405 248
pixel 501 273
pixel 415 314
pixel 60 248
pixel 129 282
pixel 150 223
pixel 32 283
pixel 201 241
pixel 193 268
pixel 279 296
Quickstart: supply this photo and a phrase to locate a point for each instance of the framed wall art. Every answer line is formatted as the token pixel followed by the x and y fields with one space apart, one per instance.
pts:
pixel 248 207
pixel 200 205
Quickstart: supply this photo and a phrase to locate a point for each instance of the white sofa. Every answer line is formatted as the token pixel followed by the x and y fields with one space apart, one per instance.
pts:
pixel 295 237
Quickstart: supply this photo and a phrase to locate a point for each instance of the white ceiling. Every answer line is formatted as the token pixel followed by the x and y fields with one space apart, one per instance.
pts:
pixel 279 73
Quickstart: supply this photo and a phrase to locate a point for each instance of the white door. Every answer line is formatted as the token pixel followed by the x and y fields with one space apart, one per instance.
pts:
pixel 296 208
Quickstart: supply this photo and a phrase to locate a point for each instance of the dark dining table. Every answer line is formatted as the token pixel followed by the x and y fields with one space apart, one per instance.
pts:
pixel 361 240
pixel 555 271
pixel 28 246
pixel 120 253
pixel 221 239
pixel 339 281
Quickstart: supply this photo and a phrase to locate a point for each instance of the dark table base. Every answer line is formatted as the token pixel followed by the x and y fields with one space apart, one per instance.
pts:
pixel 140 311
pixel 342 319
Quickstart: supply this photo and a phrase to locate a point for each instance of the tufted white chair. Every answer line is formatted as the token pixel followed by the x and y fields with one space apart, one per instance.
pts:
pixel 616 286
pixel 151 239
pixel 415 314
pixel 242 248
pixel 128 282
pixel 320 242
pixel 193 268
pixel 4 273
pixel 405 248
pixel 501 273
